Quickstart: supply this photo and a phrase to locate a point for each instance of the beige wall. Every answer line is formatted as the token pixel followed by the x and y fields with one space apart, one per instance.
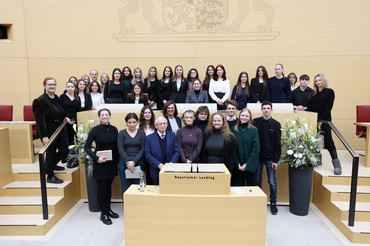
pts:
pixel 64 38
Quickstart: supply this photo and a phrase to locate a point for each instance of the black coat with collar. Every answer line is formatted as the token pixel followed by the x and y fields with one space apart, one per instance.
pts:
pixel 179 96
pixel 47 115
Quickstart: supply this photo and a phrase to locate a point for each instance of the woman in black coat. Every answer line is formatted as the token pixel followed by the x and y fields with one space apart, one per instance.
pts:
pixel 104 169
pixel 257 89
pixel 49 114
pixel 85 98
pixel 219 143
pixel 321 102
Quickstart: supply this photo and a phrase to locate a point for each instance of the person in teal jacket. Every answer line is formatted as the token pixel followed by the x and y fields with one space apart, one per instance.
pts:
pixel 248 150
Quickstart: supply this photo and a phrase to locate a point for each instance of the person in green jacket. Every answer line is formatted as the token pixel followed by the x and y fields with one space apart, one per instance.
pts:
pixel 248 150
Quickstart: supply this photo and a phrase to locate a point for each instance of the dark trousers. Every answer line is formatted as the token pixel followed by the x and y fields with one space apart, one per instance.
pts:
pixel 71 134
pixel 104 193
pixel 53 156
pixel 245 178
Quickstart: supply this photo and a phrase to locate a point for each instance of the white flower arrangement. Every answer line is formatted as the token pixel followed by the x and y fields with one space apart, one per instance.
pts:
pixel 82 133
pixel 300 144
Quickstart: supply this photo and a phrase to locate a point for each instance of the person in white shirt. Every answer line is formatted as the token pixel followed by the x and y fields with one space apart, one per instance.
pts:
pixel 219 87
pixel 96 95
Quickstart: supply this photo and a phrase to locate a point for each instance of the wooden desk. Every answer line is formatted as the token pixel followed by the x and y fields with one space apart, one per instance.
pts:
pixel 6 175
pixel 367 148
pixel 154 219
pixel 21 141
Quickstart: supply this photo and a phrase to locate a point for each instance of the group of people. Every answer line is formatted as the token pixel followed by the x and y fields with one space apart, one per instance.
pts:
pixel 242 144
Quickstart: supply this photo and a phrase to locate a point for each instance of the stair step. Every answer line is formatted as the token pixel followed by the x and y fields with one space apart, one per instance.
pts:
pixel 22 220
pixel 33 176
pixel 26 205
pixel 342 193
pixel 360 231
pixel 362 213
pixel 345 180
pixel 32 188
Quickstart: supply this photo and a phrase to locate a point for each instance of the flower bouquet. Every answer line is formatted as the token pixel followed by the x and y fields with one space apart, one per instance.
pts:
pixel 300 144
pixel 80 155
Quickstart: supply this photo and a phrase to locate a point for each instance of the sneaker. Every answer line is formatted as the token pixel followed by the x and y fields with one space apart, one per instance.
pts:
pixel 274 209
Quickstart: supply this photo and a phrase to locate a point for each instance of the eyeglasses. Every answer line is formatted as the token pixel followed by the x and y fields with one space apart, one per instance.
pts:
pixel 51 84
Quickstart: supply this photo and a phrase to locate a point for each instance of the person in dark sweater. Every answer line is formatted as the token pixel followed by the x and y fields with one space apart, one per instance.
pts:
pixel 202 115
pixel 258 85
pixel 241 90
pixel 126 79
pixel 231 107
pixel 219 144
pixel 190 138
pixel 301 94
pixel 152 82
pixel 248 150
pixel 105 169
pixel 164 87
pixel 71 102
pixel 114 91
pixel 278 87
pixel 322 102
pixel 85 97
pixel 131 147
pixel 270 150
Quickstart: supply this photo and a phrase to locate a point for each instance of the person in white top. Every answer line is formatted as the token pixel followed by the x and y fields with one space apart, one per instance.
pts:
pixel 219 87
pixel 96 95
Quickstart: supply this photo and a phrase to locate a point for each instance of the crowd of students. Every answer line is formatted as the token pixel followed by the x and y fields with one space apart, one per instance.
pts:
pixel 148 143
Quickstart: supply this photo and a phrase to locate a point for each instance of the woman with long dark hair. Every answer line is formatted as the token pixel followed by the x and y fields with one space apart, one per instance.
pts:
pixel 170 113
pixel 321 102
pixel 97 97
pixel 71 102
pixel 152 82
pixel 192 76
pixel 137 95
pixel 241 90
pixel 258 85
pixel 207 79
pixel 146 120
pixel 131 146
pixel 219 87
pixel 85 97
pixel 126 79
pixel 114 91
pixel 165 87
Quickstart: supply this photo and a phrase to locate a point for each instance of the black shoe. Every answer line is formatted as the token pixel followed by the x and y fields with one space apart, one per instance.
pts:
pixel 105 219
pixel 112 214
pixel 59 168
pixel 274 209
pixel 54 180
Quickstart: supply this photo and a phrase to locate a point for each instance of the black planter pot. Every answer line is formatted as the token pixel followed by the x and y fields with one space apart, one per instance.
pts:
pixel 300 183
pixel 92 192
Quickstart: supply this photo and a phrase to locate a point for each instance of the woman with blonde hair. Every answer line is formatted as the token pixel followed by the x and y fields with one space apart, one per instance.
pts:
pixel 321 102
pixel 138 79
pixel 219 143
pixel 248 150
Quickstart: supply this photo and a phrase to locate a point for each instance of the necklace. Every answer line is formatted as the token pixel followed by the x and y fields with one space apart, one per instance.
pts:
pixel 190 132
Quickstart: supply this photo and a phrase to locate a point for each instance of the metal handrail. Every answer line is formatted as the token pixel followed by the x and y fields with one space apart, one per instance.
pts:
pixel 44 198
pixel 354 177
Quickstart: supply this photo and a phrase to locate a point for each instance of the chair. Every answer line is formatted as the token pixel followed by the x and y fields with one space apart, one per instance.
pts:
pixel 6 112
pixel 362 115
pixel 29 116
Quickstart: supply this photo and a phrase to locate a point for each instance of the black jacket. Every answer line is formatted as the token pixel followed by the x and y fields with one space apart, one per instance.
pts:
pixel 47 115
pixel 229 155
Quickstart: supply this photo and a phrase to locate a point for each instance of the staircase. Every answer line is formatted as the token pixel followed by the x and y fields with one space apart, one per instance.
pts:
pixel 332 195
pixel 20 200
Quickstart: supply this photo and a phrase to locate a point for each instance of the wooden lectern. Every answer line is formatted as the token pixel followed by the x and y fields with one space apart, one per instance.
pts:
pixel 190 208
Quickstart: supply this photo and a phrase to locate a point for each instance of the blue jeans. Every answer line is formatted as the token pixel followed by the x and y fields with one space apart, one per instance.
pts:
pixel 126 183
pixel 271 179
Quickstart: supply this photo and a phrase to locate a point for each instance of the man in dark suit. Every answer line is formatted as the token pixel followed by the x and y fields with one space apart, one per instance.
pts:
pixel 160 147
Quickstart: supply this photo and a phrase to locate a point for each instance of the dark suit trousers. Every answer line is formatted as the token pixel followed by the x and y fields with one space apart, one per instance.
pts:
pixel 53 156
pixel 104 193
pixel 245 178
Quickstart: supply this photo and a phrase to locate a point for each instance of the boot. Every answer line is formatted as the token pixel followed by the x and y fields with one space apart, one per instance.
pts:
pixel 337 167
